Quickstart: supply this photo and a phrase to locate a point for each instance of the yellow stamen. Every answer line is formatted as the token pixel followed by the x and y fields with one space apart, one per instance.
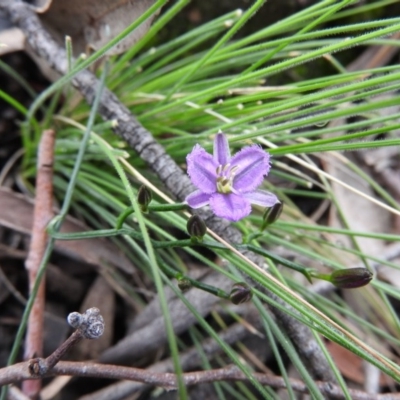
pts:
pixel 225 183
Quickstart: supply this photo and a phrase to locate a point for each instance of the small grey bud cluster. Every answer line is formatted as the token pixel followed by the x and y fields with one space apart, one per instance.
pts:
pixel 90 323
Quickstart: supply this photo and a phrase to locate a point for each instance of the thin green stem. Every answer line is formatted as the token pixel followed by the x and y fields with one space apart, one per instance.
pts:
pixel 307 272
pixel 172 273
pixel 151 208
pixel 52 231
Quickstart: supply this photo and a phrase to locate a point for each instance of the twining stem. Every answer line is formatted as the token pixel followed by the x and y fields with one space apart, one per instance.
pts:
pixel 158 244
pixel 307 272
pixel 173 273
pixel 155 207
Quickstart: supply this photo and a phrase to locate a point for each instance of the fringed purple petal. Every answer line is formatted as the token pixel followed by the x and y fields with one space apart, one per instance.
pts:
pixel 202 169
pixel 197 199
pixel 230 206
pixel 253 164
pixel 222 153
pixel 261 198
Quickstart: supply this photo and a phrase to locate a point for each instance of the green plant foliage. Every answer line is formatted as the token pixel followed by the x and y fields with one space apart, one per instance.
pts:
pixel 284 87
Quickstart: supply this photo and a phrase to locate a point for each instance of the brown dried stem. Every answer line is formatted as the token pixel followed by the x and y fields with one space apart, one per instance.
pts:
pixel 55 357
pixel 42 215
pixel 168 381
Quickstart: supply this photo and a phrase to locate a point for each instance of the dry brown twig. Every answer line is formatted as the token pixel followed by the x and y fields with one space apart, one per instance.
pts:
pixel 33 369
pixel 43 213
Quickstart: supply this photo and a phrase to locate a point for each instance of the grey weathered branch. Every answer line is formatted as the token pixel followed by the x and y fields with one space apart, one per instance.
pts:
pixel 21 371
pixel 163 165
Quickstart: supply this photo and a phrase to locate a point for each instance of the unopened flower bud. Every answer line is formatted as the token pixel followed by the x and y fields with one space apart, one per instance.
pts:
pixel 90 323
pixel 196 227
pixel 350 278
pixel 271 214
pixel 240 293
pixel 184 284
pixel 144 197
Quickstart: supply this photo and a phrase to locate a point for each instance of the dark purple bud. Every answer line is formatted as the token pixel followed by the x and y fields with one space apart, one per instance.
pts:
pixel 144 197
pixel 184 284
pixel 196 227
pixel 240 293
pixel 350 278
pixel 271 214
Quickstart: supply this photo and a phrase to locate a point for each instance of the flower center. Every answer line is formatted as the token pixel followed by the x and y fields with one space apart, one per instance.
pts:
pixel 225 175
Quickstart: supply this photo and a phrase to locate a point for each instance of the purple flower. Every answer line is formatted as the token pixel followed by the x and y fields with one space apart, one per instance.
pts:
pixel 228 184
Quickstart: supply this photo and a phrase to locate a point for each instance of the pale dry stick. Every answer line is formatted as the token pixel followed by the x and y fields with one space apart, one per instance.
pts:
pixel 375 56
pixel 15 393
pixel 394 184
pixel 42 215
pixel 168 381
